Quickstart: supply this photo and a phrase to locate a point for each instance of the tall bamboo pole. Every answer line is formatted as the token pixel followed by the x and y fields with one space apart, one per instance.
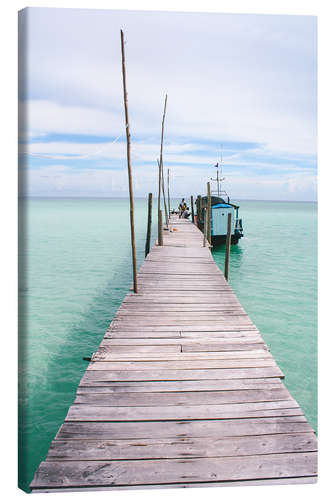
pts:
pixel 160 233
pixel 129 168
pixel 159 211
pixel 161 158
pixel 199 214
pixel 164 200
pixel 205 226
pixel 209 208
pixel 169 191
pixel 147 249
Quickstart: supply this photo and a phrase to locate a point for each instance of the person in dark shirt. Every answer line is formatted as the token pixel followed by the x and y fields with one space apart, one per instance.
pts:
pixel 181 207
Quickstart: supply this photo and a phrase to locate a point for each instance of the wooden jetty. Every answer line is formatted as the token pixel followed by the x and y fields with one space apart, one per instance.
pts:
pixel 182 391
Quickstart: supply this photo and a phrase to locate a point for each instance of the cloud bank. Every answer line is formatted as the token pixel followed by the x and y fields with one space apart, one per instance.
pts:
pixel 247 81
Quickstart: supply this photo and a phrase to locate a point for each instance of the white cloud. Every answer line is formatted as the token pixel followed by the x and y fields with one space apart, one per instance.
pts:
pixel 184 180
pixel 47 117
pixel 228 78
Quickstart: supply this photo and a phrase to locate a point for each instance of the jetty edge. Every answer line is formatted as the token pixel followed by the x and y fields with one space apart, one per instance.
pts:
pixel 182 391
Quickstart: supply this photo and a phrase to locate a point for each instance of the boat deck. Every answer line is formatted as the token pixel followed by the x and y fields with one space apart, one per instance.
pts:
pixel 182 391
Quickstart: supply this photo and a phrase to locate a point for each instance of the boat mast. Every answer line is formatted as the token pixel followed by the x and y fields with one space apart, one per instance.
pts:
pixel 218 179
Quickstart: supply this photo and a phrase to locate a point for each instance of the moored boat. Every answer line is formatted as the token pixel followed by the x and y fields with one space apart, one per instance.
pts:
pixel 220 208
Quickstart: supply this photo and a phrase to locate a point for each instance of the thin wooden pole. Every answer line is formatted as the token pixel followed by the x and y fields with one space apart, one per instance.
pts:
pixel 129 168
pixel 161 156
pixel 164 200
pixel 227 249
pixel 209 208
pixel 147 250
pixel 199 215
pixel 159 221
pixel 160 231
pixel 205 227
pixel 169 191
pixel 192 209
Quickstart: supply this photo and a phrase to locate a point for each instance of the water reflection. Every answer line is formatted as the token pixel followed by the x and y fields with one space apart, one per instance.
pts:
pixel 236 256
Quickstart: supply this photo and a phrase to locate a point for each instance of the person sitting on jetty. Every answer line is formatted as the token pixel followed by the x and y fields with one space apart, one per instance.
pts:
pixel 186 213
pixel 181 207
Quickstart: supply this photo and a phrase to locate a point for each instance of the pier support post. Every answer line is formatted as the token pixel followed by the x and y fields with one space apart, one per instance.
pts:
pixel 160 229
pixel 199 215
pixel 227 249
pixel 192 209
pixel 160 162
pixel 169 191
pixel 209 209
pixel 129 167
pixel 164 200
pixel 147 250
pixel 205 227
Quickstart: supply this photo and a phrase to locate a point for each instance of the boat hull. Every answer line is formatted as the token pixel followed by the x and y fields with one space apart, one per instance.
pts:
pixel 221 239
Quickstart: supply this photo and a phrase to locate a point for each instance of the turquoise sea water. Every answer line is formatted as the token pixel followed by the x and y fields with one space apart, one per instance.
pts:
pixel 75 268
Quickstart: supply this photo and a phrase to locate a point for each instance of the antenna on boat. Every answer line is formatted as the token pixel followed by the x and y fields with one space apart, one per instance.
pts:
pixel 219 178
pixel 221 161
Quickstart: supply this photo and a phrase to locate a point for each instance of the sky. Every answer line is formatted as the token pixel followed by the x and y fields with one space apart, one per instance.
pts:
pixel 243 85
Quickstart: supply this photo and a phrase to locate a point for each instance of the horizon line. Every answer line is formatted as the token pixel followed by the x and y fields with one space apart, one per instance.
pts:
pixel 144 198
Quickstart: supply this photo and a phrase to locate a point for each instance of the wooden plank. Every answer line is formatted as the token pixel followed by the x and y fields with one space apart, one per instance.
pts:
pixel 198 299
pixel 144 348
pixel 171 320
pixel 129 449
pixel 108 473
pixel 181 328
pixel 181 324
pixel 212 374
pixel 93 384
pixel 116 334
pixel 132 315
pixel 197 347
pixel 181 398
pixel 78 412
pixel 215 484
pixel 249 339
pixel 182 365
pixel 171 308
pixel 147 306
pixel 104 355
pixel 184 428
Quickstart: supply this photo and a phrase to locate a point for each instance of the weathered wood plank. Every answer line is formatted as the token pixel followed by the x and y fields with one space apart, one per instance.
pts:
pixel 90 382
pixel 221 321
pixel 103 355
pixel 181 328
pixel 182 365
pixel 184 428
pixel 198 298
pixel 128 348
pixel 215 484
pixel 213 341
pixel 78 412
pixel 125 313
pixel 197 347
pixel 116 334
pixel 129 449
pixel 200 374
pixel 110 473
pixel 181 398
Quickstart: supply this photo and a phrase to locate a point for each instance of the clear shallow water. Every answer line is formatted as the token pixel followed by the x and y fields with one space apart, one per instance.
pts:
pixel 273 271
pixel 76 269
